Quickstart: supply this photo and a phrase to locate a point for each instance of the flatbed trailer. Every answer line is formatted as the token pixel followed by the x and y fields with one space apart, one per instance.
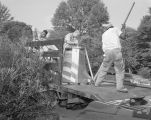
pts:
pixel 133 105
pixel 109 104
pixel 105 93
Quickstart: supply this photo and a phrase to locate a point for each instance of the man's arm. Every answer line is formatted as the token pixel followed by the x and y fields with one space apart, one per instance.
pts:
pixel 123 35
pixel 73 41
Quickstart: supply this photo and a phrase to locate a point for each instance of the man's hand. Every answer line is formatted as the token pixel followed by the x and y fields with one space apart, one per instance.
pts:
pixel 123 36
pixel 123 27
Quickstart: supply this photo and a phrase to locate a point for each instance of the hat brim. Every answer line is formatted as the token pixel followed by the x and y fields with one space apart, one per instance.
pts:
pixel 107 25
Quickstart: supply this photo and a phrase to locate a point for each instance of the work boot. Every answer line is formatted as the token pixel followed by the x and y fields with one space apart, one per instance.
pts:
pixel 124 90
pixel 98 84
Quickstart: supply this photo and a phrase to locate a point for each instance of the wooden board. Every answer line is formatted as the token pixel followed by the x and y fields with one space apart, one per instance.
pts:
pixel 106 92
pixel 45 42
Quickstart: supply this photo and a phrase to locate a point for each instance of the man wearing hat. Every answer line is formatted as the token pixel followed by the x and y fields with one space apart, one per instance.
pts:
pixel 71 39
pixel 112 54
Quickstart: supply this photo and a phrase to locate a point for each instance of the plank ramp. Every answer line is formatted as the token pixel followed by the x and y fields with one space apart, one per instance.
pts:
pixel 106 92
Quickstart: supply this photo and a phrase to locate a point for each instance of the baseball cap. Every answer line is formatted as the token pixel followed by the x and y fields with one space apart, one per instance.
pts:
pixel 108 25
pixel 76 33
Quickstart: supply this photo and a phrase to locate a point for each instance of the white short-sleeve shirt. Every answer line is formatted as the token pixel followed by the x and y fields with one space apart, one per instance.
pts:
pixel 110 39
pixel 70 40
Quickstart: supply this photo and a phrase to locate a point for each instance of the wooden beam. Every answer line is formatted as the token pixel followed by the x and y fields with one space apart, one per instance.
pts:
pixel 45 42
pixel 54 53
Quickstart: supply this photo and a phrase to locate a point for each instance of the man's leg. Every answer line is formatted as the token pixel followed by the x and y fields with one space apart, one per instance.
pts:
pixel 119 69
pixel 104 68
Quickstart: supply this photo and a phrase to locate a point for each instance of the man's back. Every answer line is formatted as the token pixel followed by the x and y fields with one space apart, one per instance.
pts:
pixel 110 39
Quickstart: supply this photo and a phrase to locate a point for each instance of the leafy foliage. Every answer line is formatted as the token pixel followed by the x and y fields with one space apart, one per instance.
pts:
pixel 57 34
pixel 143 55
pixel 137 48
pixel 4 14
pixel 17 31
pixel 129 50
pixel 145 72
pixel 80 14
pixel 22 76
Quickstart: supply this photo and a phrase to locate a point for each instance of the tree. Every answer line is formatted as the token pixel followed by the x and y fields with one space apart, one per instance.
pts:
pixel 144 40
pixel 129 50
pixel 87 16
pixel 54 34
pixel 4 14
pixel 17 31
pixel 143 55
pixel 144 28
pixel 80 14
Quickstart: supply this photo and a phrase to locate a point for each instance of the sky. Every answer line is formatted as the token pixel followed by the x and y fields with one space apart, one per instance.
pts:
pixel 38 13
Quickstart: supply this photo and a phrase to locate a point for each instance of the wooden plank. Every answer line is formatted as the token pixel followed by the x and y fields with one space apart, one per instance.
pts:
pixel 107 92
pixel 45 42
pixel 54 53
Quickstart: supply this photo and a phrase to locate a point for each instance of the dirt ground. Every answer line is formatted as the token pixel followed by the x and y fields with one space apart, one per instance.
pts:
pixel 91 114
pixel 66 114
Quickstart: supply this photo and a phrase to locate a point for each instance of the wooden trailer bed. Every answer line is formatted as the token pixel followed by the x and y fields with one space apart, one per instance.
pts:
pixel 105 93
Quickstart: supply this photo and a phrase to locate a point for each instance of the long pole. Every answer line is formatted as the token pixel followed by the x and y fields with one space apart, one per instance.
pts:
pixel 89 63
pixel 129 13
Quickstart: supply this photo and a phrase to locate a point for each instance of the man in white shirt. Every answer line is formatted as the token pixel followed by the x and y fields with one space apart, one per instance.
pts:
pixel 112 54
pixel 71 39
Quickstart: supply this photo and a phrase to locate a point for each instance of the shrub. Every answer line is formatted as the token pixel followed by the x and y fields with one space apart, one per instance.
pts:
pixel 145 72
pixel 22 77
pixel 15 30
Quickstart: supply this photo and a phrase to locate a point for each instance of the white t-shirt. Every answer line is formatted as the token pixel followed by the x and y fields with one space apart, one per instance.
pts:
pixel 46 48
pixel 110 39
pixel 70 40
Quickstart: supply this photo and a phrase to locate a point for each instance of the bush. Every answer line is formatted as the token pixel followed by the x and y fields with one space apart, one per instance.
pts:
pixel 16 30
pixel 22 77
pixel 145 72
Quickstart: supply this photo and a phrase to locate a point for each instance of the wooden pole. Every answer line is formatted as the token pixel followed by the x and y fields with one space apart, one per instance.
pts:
pixel 96 75
pixel 128 14
pixel 89 63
